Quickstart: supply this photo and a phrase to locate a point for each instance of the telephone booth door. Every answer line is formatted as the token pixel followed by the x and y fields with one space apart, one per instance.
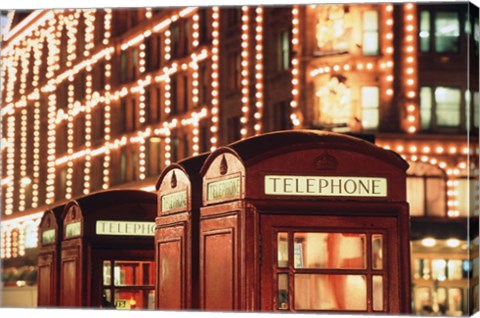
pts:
pixel 330 264
pixel 123 279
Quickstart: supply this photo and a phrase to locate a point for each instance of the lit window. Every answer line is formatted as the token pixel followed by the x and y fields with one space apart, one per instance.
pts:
pixel 440 107
pixel 370 33
pixel 466 192
pixel 439 31
pixel 425 107
pixel 426 190
pixel 123 67
pixel 370 97
pixel 447 102
pixel 476 35
pixel 31 236
pixel 284 61
pixel 447 32
pixel 424 31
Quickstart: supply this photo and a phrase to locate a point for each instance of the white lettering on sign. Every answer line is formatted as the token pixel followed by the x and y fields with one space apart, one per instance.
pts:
pixel 326 186
pixel 48 236
pixel 174 201
pixel 73 229
pixel 223 189
pixel 125 228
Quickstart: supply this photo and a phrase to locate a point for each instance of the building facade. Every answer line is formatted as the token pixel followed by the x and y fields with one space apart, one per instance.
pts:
pixel 106 98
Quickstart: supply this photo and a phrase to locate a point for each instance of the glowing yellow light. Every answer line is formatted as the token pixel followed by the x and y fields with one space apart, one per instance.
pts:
pixel 429 242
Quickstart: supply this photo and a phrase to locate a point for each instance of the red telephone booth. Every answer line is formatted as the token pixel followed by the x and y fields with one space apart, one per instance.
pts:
pixel 304 221
pixel 179 189
pixel 107 252
pixel 50 234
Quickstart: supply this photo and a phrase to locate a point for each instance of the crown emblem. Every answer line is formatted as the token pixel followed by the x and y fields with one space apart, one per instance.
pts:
pixel 173 182
pixel 223 165
pixel 326 162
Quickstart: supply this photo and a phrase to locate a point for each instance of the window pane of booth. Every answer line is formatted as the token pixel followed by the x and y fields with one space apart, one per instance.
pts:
pixel 377 251
pixel 134 299
pixel 439 269
pixel 282 249
pixel 377 292
pixel 107 270
pixel 282 291
pixel 330 250
pixel 423 300
pixel 455 270
pixel 127 273
pixel 330 292
pixel 455 300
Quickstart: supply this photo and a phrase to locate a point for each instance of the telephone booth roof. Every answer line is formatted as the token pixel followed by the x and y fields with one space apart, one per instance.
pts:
pixel 91 203
pixel 257 148
pixel 57 212
pixel 257 167
pixel 189 166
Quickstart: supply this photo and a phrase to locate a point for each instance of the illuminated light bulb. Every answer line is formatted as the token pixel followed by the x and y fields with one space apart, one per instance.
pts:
pixel 400 148
pixel 413 149
pixel 429 242
pixel 389 92
pixel 411 129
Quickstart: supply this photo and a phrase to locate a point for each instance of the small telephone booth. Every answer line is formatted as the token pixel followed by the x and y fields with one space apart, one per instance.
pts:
pixel 304 221
pixel 50 236
pixel 179 189
pixel 107 253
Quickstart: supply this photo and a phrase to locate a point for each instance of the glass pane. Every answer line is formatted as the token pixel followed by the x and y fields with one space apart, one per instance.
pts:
pixel 436 197
pixel 282 249
pixel 134 299
pixel 370 21
pixel 377 251
pixel 107 273
pixel 448 106
pixel 423 300
pixel 415 195
pixel 377 292
pixel 417 268
pixel 370 43
pixel 127 273
pixel 425 107
pixel 455 300
pixel 447 32
pixel 282 291
pixel 424 31
pixel 370 118
pixel 370 32
pixel 370 100
pixel 439 269
pixel 455 269
pixel 329 250
pixel 106 299
pixel 330 292
pixel 442 300
pixel 370 96
pixel 463 196
pixel 426 269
